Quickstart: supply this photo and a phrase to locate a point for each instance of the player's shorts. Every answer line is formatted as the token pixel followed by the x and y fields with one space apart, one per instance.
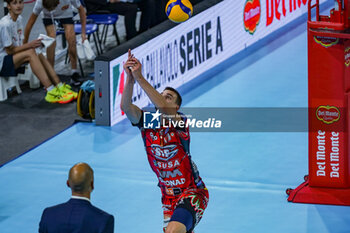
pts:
pixel 60 22
pixel 8 67
pixel 194 200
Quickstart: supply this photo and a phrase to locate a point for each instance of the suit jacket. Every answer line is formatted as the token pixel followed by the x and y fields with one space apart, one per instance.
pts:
pixel 76 216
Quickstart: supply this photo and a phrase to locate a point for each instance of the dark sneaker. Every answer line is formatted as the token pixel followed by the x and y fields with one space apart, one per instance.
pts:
pixel 76 80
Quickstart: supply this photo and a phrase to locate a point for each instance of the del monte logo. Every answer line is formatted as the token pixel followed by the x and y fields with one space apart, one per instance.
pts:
pixel 251 15
pixel 328 114
pixel 326 41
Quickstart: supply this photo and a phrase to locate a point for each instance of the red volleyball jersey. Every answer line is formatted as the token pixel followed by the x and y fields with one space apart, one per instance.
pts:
pixel 169 157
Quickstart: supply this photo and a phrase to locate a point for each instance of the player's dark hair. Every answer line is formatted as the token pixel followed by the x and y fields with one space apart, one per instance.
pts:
pixel 178 98
pixel 50 4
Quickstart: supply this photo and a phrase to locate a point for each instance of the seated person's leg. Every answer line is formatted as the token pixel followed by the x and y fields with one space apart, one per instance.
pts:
pixel 53 94
pixel 72 44
pixel 37 68
pixel 49 70
pixel 8 68
pixel 51 32
pixel 68 25
pixel 64 88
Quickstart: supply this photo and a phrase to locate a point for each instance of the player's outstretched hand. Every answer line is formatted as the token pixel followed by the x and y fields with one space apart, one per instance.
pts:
pixel 128 64
pixel 132 66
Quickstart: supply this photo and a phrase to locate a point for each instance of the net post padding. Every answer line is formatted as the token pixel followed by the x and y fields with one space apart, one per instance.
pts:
pixel 328 181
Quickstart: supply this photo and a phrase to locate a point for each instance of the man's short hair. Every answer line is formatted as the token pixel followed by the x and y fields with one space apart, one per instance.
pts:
pixel 8 1
pixel 50 4
pixel 178 98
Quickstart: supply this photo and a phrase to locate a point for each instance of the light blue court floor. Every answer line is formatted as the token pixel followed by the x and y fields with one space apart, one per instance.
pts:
pixel 246 173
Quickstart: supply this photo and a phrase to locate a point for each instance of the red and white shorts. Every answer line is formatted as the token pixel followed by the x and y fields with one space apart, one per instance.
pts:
pixel 194 200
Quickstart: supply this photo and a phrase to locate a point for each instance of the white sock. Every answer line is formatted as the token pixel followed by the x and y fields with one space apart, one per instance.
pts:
pixel 50 88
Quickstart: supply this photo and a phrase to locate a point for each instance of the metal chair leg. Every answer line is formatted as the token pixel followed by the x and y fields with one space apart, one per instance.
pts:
pixel 116 33
pixel 81 68
pixel 106 33
pixel 64 41
pixel 103 33
pixel 66 59
pixel 98 33
pixel 96 44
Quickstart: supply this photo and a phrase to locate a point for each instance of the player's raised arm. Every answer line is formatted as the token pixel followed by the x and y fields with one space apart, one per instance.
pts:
pixel 132 111
pixel 157 99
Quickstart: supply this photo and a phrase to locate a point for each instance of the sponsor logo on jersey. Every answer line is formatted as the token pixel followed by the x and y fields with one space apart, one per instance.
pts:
pixel 65 7
pixel 164 153
pixel 168 165
pixel 173 183
pixel 170 174
pixel 154 137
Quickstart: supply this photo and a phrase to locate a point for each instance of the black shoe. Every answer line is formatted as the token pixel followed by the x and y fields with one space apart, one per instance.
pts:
pixel 76 80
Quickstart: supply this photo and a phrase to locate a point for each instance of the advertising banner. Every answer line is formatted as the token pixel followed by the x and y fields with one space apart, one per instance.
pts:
pixel 188 50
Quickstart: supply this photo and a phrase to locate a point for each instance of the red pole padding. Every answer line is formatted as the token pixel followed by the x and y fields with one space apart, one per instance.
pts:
pixel 329 105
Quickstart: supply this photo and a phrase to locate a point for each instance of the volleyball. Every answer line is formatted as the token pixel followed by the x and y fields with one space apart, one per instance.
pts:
pixel 179 10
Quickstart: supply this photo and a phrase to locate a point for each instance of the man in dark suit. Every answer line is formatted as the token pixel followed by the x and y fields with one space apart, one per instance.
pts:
pixel 77 215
